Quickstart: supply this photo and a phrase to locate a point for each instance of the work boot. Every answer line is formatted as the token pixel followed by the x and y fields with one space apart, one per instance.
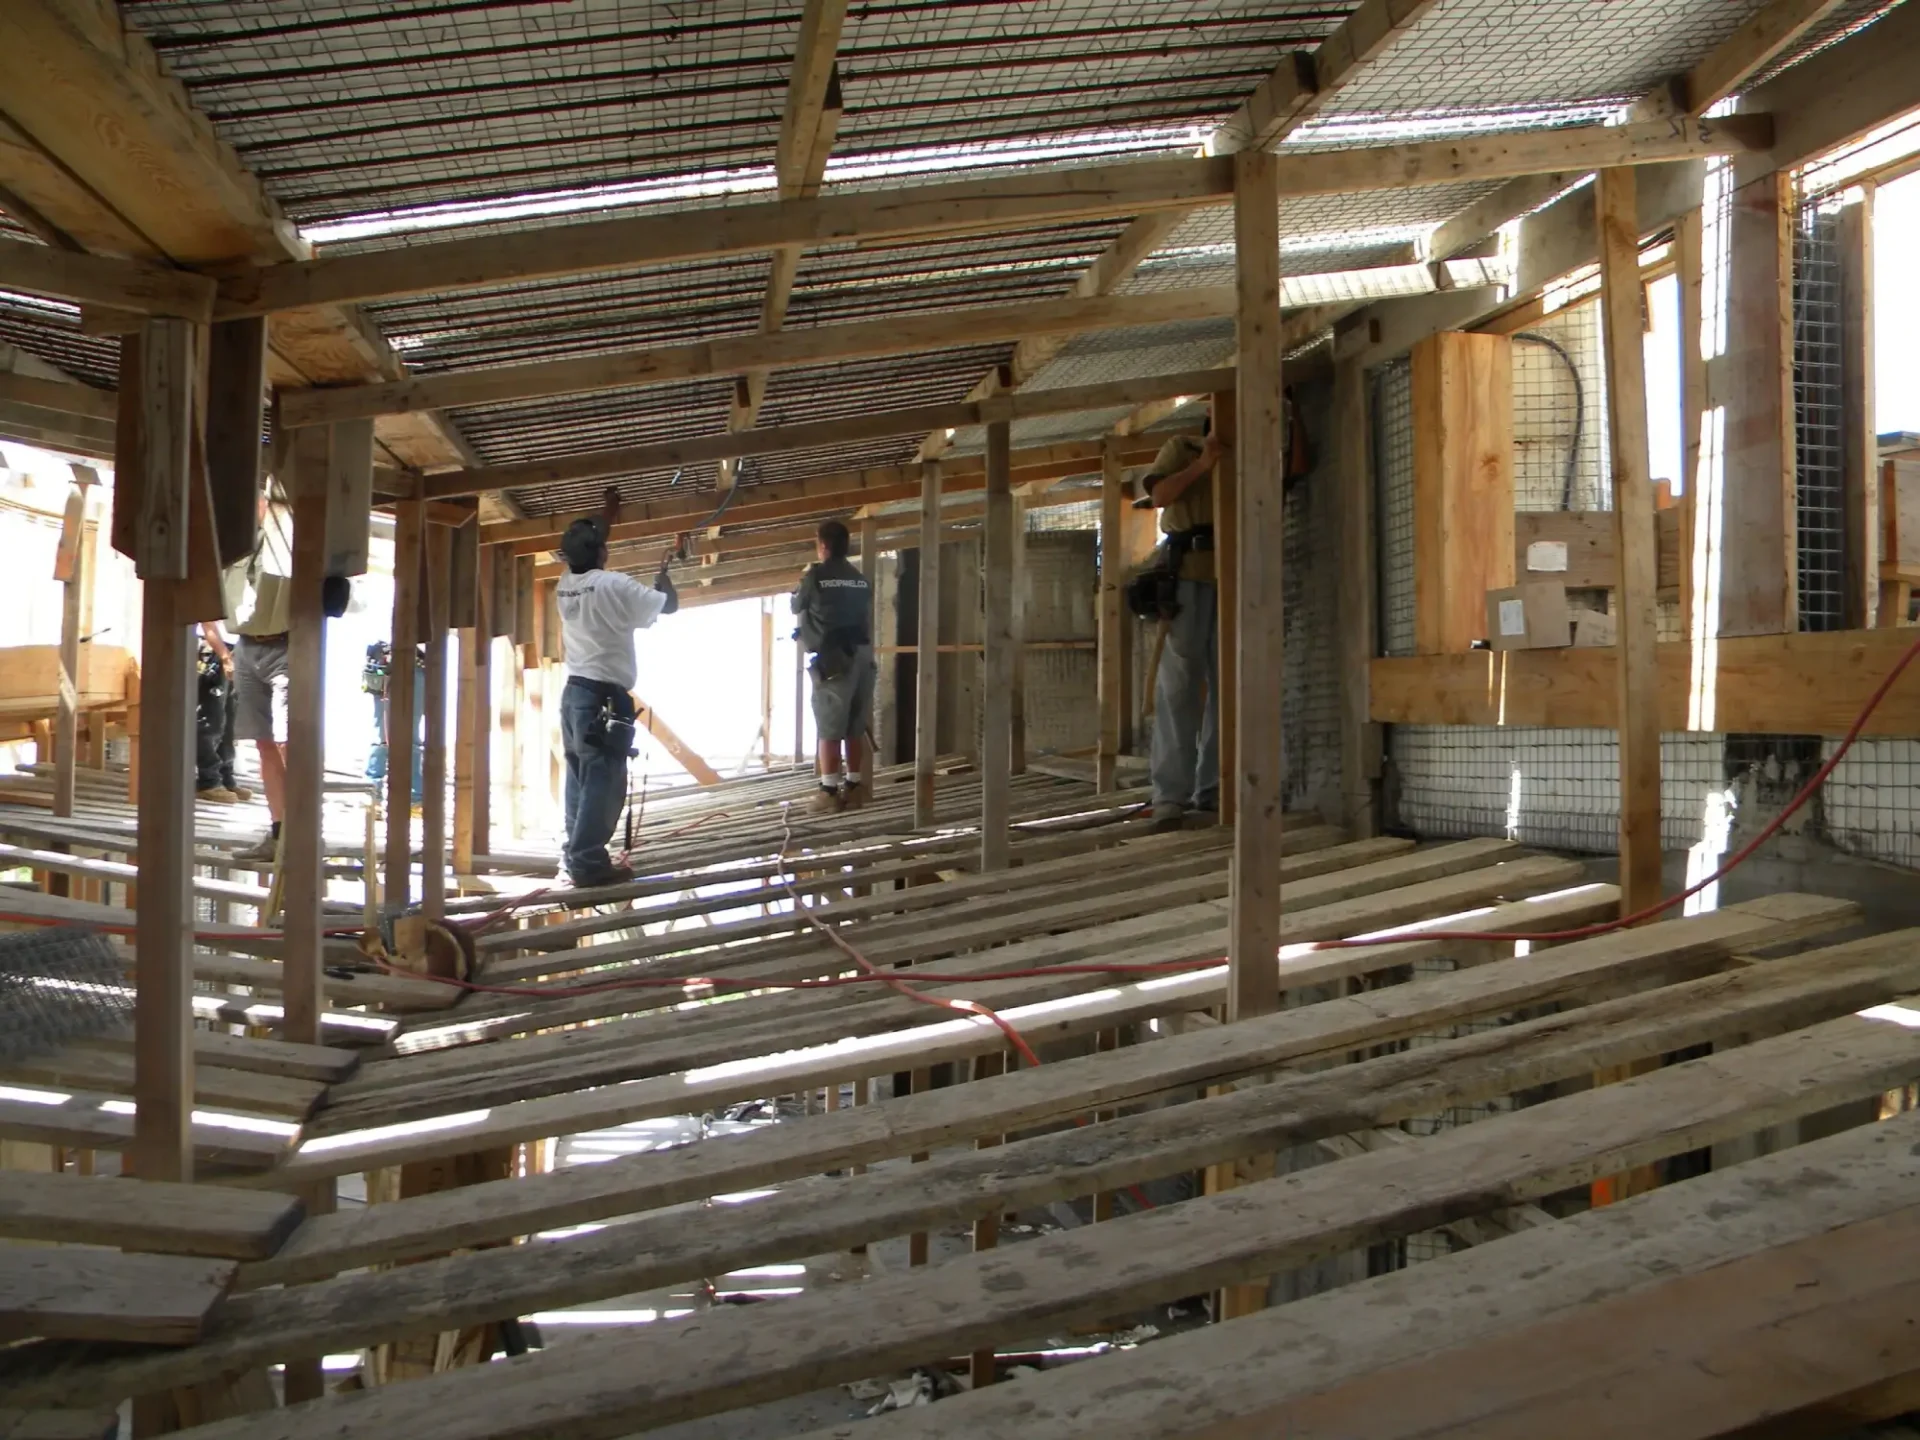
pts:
pixel 593 880
pixel 1168 816
pixel 854 796
pixel 241 793
pixel 217 795
pixel 265 851
pixel 826 802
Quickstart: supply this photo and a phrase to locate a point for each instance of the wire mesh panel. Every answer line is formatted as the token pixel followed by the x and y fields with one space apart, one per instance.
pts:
pixel 1393 475
pixel 56 986
pixel 1818 357
pixel 1559 414
pixel 1309 580
pixel 1871 803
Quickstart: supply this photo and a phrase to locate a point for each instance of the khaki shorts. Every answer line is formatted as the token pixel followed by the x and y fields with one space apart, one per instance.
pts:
pixel 260 689
pixel 843 706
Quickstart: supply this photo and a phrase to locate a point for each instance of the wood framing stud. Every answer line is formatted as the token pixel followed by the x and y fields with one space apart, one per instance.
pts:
pixel 1254 768
pixel 996 745
pixel 926 698
pixel 1109 686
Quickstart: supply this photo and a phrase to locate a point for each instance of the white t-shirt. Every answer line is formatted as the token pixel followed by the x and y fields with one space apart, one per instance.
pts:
pixel 599 611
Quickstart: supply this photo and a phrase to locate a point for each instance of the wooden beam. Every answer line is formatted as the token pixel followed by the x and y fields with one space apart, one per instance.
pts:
pixel 818 495
pixel 60 396
pixel 302 858
pixel 75 580
pixel 433 775
pixel 1839 94
pixel 1806 684
pixel 688 758
pixel 677 454
pixel 1753 384
pixel 409 536
pixel 926 713
pixel 1462 485
pixel 157 399
pixel 1749 50
pixel 1226 566
pixel 77 278
pixel 1858 431
pixel 896 335
pixel 1361 749
pixel 1108 689
pixel 1000 203
pixel 1254 767
pixel 996 740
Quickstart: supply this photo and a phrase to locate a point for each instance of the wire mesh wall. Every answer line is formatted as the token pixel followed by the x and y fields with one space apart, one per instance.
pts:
pixel 1818 353
pixel 1559 414
pixel 1392 410
pixel 1310 675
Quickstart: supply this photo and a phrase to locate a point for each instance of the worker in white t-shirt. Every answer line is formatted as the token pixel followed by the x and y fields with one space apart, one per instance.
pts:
pixel 600 609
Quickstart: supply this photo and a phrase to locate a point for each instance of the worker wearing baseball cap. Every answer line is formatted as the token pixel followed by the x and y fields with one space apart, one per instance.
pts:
pixel 600 610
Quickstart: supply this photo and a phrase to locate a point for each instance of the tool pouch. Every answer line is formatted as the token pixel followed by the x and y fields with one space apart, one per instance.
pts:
pixel 612 732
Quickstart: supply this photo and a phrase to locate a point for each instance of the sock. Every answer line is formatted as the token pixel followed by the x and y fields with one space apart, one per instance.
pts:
pixel 853 777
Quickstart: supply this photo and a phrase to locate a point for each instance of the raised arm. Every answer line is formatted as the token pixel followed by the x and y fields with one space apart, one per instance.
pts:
pixel 1170 488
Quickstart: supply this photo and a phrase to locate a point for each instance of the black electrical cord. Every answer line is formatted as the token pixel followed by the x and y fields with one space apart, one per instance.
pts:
pixel 1579 412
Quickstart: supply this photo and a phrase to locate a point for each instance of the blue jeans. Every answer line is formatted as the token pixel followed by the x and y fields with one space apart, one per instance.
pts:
pixel 377 756
pixel 1185 765
pixel 596 778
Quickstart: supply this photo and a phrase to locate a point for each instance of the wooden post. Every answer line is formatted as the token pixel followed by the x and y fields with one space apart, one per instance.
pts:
pixel 869 541
pixel 71 569
pixel 1360 745
pixel 157 408
pixel 1688 237
pixel 1860 443
pixel 433 770
pixel 1020 585
pixel 408 524
pixel 303 850
pixel 1253 765
pixel 1753 384
pixel 1109 626
pixel 473 724
pixel 800 757
pixel 1226 569
pixel 926 702
pixel 986 1229
pixel 766 684
pixel 303 854
pixel 1635 604
pixel 996 718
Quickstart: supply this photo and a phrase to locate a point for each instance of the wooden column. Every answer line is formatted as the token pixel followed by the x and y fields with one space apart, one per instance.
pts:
pixel 1688 237
pixel 70 568
pixel 1111 675
pixel 1226 569
pixel 1635 603
pixel 1253 767
pixel 473 722
pixel 926 701
pixel 766 684
pixel 408 524
pixel 1753 384
pixel 1360 747
pixel 1860 443
pixel 800 711
pixel 1020 586
pixel 303 851
pixel 433 770
pixel 996 711
pixel 152 448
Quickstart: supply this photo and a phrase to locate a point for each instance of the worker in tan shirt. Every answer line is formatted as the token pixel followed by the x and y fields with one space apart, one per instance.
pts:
pixel 1185 760
pixel 259 595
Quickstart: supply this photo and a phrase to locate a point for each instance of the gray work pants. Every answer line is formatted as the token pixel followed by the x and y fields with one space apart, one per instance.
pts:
pixel 1186 711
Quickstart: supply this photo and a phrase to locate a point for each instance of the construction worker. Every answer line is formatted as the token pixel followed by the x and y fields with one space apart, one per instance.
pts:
pixel 1185 761
pixel 213 722
pixel 259 595
pixel 600 609
pixel 835 606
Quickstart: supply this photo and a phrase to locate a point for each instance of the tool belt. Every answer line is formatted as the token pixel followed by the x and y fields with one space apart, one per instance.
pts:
pixel 1154 593
pixel 611 729
pixel 837 652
